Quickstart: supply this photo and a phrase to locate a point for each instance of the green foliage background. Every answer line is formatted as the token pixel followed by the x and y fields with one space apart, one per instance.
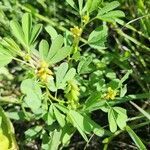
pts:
pixel 118 57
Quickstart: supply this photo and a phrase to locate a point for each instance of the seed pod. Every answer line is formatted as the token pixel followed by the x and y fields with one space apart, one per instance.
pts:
pixel 72 94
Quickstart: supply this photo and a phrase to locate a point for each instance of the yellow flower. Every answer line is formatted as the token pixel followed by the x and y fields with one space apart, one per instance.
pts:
pixel 86 18
pixel 44 72
pixel 111 94
pixel 76 31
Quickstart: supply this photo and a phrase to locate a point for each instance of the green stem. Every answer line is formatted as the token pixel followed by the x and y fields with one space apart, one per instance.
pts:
pixel 19 60
pixel 53 98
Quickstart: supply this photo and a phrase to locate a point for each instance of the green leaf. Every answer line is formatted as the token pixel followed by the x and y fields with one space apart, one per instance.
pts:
pixel 83 65
pixel 80 2
pixel 60 117
pixel 67 133
pixel 111 16
pixel 45 140
pixel 125 77
pixel 56 45
pixel 68 76
pixel 95 128
pixel 112 120
pixel 121 121
pixel 11 45
pixel 72 4
pixel 33 131
pixel 84 124
pixel 136 139
pixel 109 6
pixel 43 49
pixel 60 73
pixel 60 55
pixel 27 26
pixel 94 102
pixel 8 129
pixel 98 37
pixel 61 108
pixel 5 57
pixel 147 115
pixel 49 117
pixel 121 118
pixel 51 85
pixel 110 74
pixel 120 110
pixel 51 31
pixel 55 139
pixel 35 32
pixel 77 121
pixel 123 91
pixel 17 31
pixel 92 5
pixel 33 94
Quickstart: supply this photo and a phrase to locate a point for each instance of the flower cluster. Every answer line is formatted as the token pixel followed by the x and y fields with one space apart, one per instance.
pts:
pixel 86 18
pixel 44 72
pixel 76 31
pixel 111 94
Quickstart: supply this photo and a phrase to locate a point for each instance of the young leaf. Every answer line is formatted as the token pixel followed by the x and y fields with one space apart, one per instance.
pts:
pixel 51 31
pixel 27 26
pixel 136 139
pixel 35 32
pixel 17 31
pixel 43 49
pixel 112 120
